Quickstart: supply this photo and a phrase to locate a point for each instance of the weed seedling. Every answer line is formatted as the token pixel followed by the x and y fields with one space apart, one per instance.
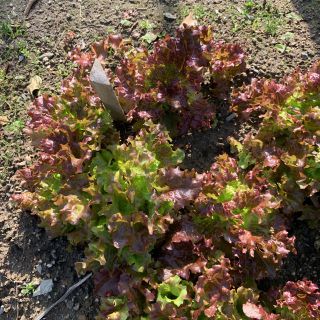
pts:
pixel 257 17
pixel 249 5
pixel 200 12
pixel 271 24
pixel 9 31
pixel 149 37
pixel 283 47
pixel 110 29
pixel 126 23
pixel 146 25
pixel 28 288
pixel 15 126
pixel 23 49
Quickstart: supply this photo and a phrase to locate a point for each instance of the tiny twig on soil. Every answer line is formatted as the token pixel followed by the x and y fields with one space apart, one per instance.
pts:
pixel 29 6
pixel 76 285
pixel 133 26
pixel 6 68
pixel 17 317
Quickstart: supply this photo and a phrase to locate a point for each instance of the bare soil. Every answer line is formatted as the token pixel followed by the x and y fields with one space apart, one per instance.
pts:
pixel 276 40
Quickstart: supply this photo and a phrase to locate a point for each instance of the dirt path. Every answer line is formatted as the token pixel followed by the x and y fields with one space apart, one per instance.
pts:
pixel 277 39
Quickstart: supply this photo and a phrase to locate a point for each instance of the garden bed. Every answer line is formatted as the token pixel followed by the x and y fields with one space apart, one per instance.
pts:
pixel 276 42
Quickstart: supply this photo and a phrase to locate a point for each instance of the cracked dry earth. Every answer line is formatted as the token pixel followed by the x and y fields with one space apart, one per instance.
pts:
pixel 27 253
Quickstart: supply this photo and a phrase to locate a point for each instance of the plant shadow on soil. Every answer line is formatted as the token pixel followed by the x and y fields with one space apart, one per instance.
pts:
pixel 310 12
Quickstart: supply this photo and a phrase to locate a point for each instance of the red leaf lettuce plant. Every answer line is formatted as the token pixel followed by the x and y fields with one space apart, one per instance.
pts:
pixel 166 243
pixel 165 84
pixel 287 144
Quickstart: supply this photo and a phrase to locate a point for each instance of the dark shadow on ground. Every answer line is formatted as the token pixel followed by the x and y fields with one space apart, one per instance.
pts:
pixel 306 263
pixel 309 10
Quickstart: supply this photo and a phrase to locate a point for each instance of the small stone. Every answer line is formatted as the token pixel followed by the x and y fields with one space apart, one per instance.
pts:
pixel 136 35
pixel 317 245
pixel 1 310
pixel 304 55
pixel 20 77
pixel 21 164
pixel 231 117
pixel 169 16
pixel 44 288
pixel 21 57
pixel 46 56
pixel 76 307
pixel 7 308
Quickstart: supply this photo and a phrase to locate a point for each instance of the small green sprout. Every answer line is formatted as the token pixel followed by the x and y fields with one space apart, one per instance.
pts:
pixel 126 23
pixel 146 25
pixel 10 31
pixel 15 126
pixel 110 29
pixel 28 288
pixel 200 12
pixel 249 5
pixel 149 37
pixel 271 24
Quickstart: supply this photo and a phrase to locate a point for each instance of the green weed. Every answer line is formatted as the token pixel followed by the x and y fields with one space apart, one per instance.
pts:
pixel 10 31
pixel 15 126
pixel 64 69
pixel 146 25
pixel 110 29
pixel 126 23
pixel 282 47
pixel 200 12
pixel 286 38
pixel 149 37
pixel 257 17
pixel 28 288
pixel 22 48
pixel 271 22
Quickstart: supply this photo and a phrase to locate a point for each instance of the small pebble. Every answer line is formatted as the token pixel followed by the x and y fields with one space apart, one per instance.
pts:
pixel 136 35
pixel 46 56
pixel 231 117
pixel 169 16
